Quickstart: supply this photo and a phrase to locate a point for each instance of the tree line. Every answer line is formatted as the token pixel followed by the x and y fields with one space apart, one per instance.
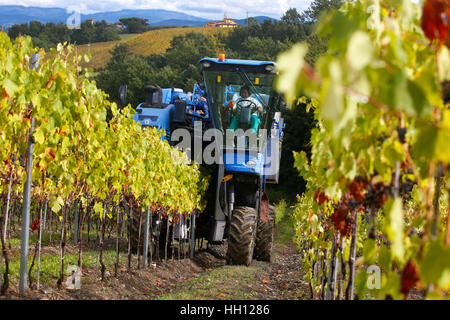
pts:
pixel 48 35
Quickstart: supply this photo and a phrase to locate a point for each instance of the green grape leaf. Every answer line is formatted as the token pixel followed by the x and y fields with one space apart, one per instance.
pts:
pixel 408 96
pixel 384 258
pixel 360 50
pixel 98 208
pixel 39 136
pixel 444 64
pixel 431 266
pixel 394 227
pixel 10 87
pixel 56 204
pixel 290 64
pixel 369 252
pixel 392 151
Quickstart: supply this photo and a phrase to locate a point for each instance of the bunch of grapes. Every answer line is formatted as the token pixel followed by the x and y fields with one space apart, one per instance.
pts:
pixel 377 194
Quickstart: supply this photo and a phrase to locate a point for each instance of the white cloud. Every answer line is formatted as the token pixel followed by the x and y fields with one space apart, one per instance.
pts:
pixel 205 8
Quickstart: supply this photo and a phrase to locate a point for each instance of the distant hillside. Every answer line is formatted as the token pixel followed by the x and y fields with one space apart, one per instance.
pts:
pixel 155 16
pixel 155 41
pixel 10 15
pixel 179 23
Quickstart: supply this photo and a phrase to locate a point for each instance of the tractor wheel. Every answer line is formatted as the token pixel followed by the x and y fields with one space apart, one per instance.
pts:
pixel 264 238
pixel 241 239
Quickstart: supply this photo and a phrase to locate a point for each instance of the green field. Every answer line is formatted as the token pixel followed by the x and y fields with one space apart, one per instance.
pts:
pixel 126 36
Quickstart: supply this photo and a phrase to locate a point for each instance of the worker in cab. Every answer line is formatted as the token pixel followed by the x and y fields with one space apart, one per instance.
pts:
pixel 247 110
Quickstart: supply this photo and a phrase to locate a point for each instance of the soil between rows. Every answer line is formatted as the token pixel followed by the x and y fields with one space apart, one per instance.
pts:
pixel 205 277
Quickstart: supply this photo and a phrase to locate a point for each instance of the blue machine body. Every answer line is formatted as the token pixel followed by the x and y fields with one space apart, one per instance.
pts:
pixel 244 163
pixel 162 116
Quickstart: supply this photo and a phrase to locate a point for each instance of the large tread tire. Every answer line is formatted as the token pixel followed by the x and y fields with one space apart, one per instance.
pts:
pixel 264 238
pixel 241 239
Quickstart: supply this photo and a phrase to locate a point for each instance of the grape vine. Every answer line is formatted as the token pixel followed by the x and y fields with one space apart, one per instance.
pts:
pixel 377 179
pixel 84 166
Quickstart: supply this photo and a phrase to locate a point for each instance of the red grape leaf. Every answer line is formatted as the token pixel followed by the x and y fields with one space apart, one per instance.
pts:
pixel 410 277
pixel 435 19
pixel 35 225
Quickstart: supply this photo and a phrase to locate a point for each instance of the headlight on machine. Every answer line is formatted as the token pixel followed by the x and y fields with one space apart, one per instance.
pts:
pixel 251 163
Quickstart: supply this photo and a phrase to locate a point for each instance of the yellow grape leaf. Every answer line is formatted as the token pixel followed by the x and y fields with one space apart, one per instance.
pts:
pixel 394 227
pixel 290 64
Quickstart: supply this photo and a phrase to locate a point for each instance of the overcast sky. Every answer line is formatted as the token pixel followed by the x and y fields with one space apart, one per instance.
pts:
pixel 204 8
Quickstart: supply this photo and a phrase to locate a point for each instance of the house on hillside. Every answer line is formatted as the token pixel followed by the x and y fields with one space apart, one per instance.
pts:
pixel 119 26
pixel 225 23
pixel 91 21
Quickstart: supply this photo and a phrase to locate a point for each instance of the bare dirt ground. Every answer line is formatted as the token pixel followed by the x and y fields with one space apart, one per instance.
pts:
pixel 205 277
